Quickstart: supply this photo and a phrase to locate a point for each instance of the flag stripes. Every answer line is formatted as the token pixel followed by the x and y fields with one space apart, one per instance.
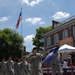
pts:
pixel 19 19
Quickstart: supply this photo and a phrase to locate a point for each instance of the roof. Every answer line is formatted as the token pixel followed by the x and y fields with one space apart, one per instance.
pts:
pixel 61 24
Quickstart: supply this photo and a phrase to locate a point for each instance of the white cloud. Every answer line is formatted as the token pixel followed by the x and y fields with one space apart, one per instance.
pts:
pixel 32 3
pixel 60 15
pixel 28 38
pixel 3 19
pixel 28 42
pixel 34 20
pixel 25 1
pixel 41 22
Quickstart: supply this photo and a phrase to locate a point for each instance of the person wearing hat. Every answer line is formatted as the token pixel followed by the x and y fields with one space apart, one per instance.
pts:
pixel 56 65
pixel 17 68
pixel 24 67
pixel 10 66
pixel 35 61
pixel 3 67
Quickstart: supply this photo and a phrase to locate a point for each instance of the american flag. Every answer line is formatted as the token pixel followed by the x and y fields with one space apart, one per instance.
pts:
pixel 19 19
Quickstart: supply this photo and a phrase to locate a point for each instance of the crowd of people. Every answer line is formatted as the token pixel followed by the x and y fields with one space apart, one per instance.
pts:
pixel 31 65
pixel 14 67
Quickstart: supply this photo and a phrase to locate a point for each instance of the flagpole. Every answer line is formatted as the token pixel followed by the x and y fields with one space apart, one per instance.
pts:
pixel 21 21
pixel 21 28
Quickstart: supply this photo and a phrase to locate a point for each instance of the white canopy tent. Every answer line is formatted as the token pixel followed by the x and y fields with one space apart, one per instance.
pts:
pixel 66 48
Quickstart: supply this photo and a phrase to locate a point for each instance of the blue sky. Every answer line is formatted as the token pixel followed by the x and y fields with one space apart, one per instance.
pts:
pixel 35 13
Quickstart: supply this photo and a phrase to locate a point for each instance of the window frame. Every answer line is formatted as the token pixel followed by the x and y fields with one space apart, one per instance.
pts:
pixel 73 31
pixel 65 36
pixel 48 41
pixel 56 38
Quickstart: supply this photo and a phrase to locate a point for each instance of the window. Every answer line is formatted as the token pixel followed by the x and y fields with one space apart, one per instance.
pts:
pixel 74 31
pixel 48 41
pixel 65 34
pixel 56 38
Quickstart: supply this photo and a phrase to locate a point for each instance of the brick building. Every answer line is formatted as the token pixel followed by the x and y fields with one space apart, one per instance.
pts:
pixel 62 33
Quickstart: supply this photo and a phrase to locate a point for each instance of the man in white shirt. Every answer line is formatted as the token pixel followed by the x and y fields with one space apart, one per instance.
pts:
pixel 65 67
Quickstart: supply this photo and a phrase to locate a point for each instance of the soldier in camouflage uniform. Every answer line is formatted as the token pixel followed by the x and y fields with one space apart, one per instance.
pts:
pixel 17 67
pixel 55 64
pixel 24 67
pixel 3 67
pixel 10 66
pixel 35 61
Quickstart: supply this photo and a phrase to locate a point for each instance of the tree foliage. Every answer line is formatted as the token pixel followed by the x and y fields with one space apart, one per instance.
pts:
pixel 38 39
pixel 11 43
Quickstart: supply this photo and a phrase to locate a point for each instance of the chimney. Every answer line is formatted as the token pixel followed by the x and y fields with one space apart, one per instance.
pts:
pixel 55 24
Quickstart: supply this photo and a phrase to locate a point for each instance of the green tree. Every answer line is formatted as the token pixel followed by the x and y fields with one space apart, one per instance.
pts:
pixel 11 43
pixel 38 39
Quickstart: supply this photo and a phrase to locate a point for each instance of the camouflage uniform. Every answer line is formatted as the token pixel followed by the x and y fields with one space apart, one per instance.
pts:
pixel 55 64
pixel 24 68
pixel 17 68
pixel 35 64
pixel 10 67
pixel 3 68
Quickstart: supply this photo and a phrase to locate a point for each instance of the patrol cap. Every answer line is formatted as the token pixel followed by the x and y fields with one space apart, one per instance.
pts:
pixel 35 48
